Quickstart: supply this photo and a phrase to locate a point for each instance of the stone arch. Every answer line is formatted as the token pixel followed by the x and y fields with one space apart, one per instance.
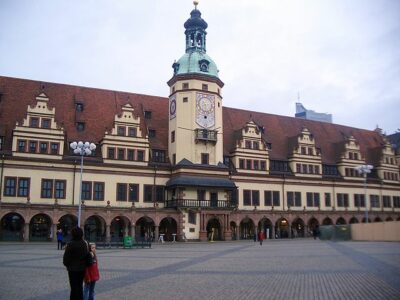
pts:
pixel 40 228
pixel 94 229
pixel 119 228
pixel 282 228
pixel 265 225
pixel 66 223
pixel 327 221
pixel 364 220
pixel 298 227
pixel 246 228
pixel 12 227
pixel 313 223
pixel 169 227
pixel 353 220
pixel 214 229
pixel 377 219
pixel 389 219
pixel 145 228
pixel 341 221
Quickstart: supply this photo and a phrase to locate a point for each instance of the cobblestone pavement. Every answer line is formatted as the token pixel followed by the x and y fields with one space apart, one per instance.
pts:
pixel 280 269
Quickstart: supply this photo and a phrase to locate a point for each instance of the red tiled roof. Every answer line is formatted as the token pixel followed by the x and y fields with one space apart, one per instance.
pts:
pixel 100 107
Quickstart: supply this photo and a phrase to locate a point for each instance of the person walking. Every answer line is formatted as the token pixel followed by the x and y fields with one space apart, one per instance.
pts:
pixel 92 275
pixel 75 260
pixel 261 237
pixel 60 242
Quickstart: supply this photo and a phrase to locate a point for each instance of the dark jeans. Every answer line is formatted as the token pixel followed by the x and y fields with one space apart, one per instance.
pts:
pixel 88 291
pixel 59 244
pixel 76 282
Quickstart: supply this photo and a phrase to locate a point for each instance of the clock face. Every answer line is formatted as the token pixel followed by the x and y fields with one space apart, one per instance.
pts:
pixel 172 108
pixel 205 110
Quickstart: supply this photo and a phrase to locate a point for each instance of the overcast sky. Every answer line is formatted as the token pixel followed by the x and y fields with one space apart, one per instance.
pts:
pixel 340 56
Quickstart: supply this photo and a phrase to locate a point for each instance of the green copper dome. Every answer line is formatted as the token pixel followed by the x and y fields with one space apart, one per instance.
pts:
pixel 195 60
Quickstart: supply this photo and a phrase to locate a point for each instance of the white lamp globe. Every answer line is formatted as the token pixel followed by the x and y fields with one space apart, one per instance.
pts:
pixel 92 146
pixel 80 144
pixel 73 145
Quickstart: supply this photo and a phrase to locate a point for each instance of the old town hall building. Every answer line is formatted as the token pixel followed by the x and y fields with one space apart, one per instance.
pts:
pixel 185 167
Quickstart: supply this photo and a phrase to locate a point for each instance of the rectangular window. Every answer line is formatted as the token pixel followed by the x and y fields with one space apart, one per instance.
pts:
pixel 140 155
pixel 46 123
pixel 328 199
pixel 267 198
pixel 23 187
pixel 159 193
pixel 192 217
pixel 185 99
pixel 386 201
pixel 34 122
pixel 173 136
pixel 256 164
pixel 304 169
pixel 256 145
pixel 111 153
pixel 303 150
pixel 98 191
pixel 247 197
pixel 310 169
pixel 310 151
pixel 47 188
pixel 10 186
pixel 121 130
pixel 32 146
pixel 152 133
pixel 309 199
pixel 247 144
pixel 297 199
pixel 121 191
pixel 43 147
pixel 374 200
pixel 290 198
pixel 54 148
pixel 241 163
pixel 158 155
pixel 396 201
pixel 148 193
pixel 79 107
pixel 86 190
pixel 248 164
pixel 359 200
pixel 276 198
pixel 316 169
pixel 204 158
pixel 263 165
pixel 313 199
pixel 80 126
pixel 147 114
pixel 133 193
pixel 342 200
pixel 255 195
pixel 121 154
pixel 204 87
pixel 298 168
pixel 59 189
pixel 185 86
pixel 131 154
pixel 132 131
pixel 21 145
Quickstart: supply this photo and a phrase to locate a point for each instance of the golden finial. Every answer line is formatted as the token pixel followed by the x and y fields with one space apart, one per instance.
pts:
pixel 195 2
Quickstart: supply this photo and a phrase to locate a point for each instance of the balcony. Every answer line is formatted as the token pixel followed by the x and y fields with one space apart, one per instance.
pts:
pixel 194 203
pixel 206 135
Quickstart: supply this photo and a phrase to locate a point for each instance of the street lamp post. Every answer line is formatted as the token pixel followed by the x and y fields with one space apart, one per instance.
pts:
pixel 82 149
pixel 364 170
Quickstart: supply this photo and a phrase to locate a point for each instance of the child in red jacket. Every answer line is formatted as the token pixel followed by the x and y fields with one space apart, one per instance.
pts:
pixel 92 274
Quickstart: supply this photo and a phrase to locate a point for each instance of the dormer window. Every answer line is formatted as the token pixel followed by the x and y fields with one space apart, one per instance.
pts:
pixel 147 114
pixel 203 65
pixel 152 133
pixel 121 130
pixel 132 131
pixel 34 122
pixel 46 123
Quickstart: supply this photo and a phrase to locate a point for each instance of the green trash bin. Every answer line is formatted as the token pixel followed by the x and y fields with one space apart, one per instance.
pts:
pixel 128 242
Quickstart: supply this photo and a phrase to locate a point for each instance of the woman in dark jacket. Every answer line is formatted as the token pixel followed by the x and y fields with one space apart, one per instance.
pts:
pixel 74 259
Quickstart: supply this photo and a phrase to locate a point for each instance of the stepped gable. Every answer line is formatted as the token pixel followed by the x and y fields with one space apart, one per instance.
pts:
pixel 280 130
pixel 100 107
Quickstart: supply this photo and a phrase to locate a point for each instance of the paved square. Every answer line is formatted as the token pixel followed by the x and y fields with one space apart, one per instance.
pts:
pixel 280 269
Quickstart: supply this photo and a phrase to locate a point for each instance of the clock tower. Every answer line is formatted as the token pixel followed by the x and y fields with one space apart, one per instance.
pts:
pixel 195 102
